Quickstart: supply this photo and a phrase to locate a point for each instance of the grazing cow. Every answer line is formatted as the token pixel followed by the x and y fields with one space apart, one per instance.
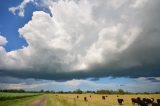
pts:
pixel 155 104
pixel 134 100
pixel 106 96
pixel 158 101
pixel 90 96
pixel 152 99
pixel 144 100
pixel 139 101
pixel 147 101
pixel 103 98
pixel 85 99
pixel 120 101
pixel 142 103
pixel 77 97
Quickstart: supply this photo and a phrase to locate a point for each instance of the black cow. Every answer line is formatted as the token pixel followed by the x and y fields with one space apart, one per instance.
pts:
pixel 155 104
pixel 148 101
pixel 103 98
pixel 134 100
pixel 120 101
pixel 142 103
pixel 158 101
pixel 139 101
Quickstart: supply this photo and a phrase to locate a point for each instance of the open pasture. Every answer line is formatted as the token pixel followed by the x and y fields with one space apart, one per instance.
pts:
pixel 96 99
pixel 75 100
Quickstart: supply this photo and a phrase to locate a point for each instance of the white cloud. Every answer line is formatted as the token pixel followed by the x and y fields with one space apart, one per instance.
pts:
pixel 79 35
pixel 111 41
pixel 3 40
pixel 117 3
pixel 139 3
pixel 73 42
pixel 20 8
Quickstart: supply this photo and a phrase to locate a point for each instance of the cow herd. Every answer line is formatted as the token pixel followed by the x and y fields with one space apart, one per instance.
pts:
pixel 145 101
pixel 139 101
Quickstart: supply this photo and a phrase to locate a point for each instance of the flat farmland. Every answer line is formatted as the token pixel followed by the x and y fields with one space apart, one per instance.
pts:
pixel 96 99
pixel 72 100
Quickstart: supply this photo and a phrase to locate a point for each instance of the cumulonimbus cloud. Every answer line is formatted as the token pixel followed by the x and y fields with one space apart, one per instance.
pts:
pixel 88 38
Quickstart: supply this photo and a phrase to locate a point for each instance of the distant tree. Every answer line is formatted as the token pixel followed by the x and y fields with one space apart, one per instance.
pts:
pixel 47 91
pixel 41 90
pixel 120 91
pixel 90 91
pixel 78 91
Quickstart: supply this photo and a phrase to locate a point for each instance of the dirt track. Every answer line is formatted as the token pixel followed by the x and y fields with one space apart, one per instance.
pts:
pixel 40 102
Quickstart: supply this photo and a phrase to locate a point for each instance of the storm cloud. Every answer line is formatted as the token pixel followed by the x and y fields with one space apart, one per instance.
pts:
pixel 88 38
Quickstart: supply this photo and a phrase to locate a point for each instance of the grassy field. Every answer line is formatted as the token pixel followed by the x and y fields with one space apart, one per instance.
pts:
pixel 8 96
pixel 72 100
pixel 96 100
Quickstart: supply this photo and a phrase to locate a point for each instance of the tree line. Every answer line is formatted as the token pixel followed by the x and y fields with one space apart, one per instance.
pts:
pixel 77 91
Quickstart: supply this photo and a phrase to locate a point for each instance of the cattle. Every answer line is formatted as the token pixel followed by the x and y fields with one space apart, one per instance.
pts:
pixel 148 101
pixel 142 103
pixel 134 100
pixel 106 96
pixel 120 101
pixel 90 96
pixel 152 99
pixel 103 98
pixel 158 101
pixel 139 101
pixel 85 99
pixel 155 104
pixel 77 97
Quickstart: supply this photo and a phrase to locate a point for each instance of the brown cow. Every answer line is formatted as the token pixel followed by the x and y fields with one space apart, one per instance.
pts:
pixel 103 98
pixel 85 99
pixel 77 97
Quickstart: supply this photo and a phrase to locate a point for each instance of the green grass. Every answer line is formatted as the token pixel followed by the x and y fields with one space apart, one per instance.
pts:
pixel 50 101
pixel 10 96
pixel 19 102
pixel 54 100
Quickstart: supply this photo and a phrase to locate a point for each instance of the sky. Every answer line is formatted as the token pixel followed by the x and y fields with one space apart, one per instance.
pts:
pixel 80 44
